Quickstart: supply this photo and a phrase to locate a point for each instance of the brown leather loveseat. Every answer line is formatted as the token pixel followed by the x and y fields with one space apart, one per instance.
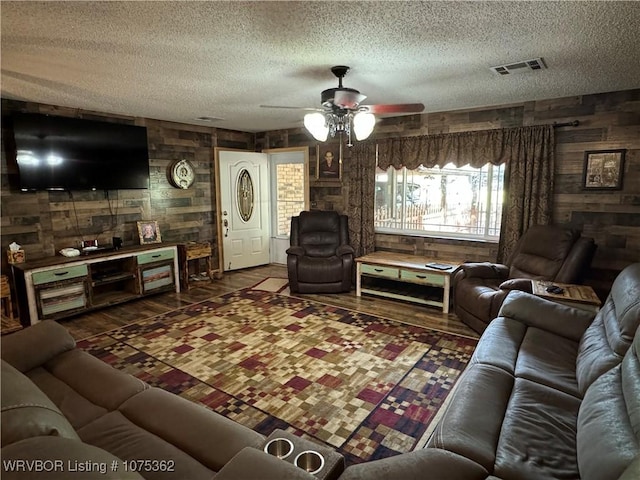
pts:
pixel 545 252
pixel 551 392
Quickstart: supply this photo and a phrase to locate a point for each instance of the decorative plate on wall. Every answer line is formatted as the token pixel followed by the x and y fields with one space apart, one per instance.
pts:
pixel 182 174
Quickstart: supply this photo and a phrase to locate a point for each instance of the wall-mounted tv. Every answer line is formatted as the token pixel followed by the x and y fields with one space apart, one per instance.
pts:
pixel 61 153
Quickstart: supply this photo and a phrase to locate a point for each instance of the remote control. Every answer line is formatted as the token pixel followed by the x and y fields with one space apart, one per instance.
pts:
pixel 555 289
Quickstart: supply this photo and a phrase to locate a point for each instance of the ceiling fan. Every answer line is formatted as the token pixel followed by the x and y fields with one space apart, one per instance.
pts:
pixel 342 111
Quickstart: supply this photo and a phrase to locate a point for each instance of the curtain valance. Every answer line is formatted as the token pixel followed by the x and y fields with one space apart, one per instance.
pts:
pixel 475 148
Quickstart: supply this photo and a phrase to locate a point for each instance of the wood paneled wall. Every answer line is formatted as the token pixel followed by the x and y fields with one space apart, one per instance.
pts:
pixel 607 121
pixel 45 222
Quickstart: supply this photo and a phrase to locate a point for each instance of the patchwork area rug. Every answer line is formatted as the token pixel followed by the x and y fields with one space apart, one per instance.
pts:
pixel 365 386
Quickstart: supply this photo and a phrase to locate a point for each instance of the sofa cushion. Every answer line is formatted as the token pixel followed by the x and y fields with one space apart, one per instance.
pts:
pixel 608 338
pixel 185 424
pixel 538 434
pixel 609 420
pixel 553 317
pixel 428 463
pixel 119 436
pixel 26 410
pixel 542 252
pixel 499 344
pixel 84 387
pixel 76 408
pixel 548 359
pixel 529 352
pixel 320 269
pixel 43 341
pixel 95 380
pixel 472 423
pixel 319 233
pixel 512 427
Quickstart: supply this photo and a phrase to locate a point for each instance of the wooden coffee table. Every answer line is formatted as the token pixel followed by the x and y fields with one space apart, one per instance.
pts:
pixel 407 273
pixel 577 296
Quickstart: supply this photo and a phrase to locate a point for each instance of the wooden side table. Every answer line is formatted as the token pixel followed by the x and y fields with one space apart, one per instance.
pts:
pixel 193 251
pixel 5 297
pixel 577 296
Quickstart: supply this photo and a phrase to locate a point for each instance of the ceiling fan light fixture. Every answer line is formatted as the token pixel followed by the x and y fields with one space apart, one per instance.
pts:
pixel 316 124
pixel 363 123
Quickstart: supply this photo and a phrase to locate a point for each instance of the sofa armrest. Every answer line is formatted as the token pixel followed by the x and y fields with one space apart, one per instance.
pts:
pixel 344 250
pixel 192 428
pixel 295 250
pixel 485 270
pixel 253 463
pixel 35 345
pixel 522 284
pixel 553 317
pixel 425 464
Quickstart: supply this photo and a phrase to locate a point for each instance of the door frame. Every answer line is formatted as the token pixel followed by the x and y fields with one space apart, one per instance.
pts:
pixel 218 199
pixel 273 194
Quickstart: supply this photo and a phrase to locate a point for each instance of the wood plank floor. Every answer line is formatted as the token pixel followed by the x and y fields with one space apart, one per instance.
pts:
pixel 101 321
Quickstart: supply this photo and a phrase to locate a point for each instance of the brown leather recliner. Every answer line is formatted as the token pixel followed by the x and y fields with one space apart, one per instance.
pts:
pixel 545 252
pixel 320 259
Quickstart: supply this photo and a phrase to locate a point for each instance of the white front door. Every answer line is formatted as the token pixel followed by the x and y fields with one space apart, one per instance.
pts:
pixel 244 208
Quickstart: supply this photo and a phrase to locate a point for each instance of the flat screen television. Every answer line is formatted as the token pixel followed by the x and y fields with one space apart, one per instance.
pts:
pixel 61 153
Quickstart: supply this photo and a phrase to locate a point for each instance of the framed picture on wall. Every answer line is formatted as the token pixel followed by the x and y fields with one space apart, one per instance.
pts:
pixel 329 161
pixel 149 232
pixel 603 170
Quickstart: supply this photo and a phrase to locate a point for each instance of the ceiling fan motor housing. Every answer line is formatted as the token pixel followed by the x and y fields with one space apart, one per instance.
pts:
pixel 328 95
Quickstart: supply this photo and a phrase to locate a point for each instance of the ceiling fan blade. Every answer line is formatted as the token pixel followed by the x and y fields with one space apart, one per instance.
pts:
pixel 293 108
pixel 394 108
pixel 347 99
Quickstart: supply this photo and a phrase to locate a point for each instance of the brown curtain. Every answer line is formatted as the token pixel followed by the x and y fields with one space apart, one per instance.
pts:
pixel 528 186
pixel 361 180
pixel 527 151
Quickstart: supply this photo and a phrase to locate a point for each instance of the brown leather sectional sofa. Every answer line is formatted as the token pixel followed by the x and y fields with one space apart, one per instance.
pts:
pixel 551 393
pixel 71 416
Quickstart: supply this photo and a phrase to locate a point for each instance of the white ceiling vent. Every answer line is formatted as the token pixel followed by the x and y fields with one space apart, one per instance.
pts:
pixel 519 67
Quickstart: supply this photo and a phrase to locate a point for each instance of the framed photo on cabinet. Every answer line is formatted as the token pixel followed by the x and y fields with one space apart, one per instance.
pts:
pixel 149 232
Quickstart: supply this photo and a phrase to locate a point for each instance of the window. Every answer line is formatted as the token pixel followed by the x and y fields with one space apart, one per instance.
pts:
pixel 290 195
pixel 447 201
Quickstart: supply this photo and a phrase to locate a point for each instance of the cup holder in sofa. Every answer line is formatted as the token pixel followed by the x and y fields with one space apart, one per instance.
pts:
pixel 279 447
pixel 309 460
pixel 321 462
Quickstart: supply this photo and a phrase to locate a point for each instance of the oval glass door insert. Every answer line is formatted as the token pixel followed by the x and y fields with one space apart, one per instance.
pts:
pixel 244 191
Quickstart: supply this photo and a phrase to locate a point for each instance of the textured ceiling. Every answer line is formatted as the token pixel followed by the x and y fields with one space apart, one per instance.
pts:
pixel 181 60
